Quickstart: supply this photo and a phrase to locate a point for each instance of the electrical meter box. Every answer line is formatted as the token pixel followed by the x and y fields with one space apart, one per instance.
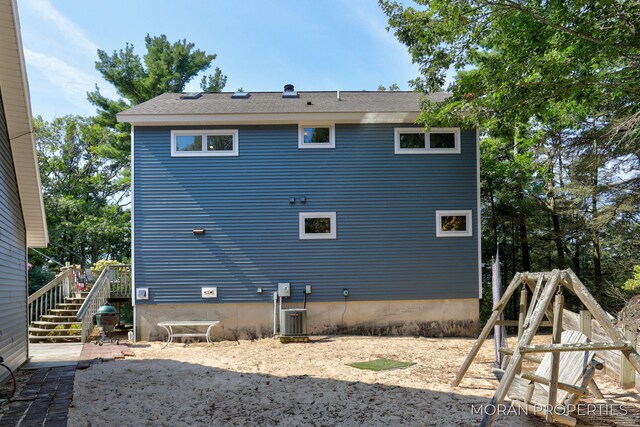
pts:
pixel 284 289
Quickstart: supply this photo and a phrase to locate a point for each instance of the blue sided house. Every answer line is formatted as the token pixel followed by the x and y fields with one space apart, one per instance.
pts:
pixel 371 221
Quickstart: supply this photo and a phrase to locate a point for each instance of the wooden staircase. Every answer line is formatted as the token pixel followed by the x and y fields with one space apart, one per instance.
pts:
pixel 59 324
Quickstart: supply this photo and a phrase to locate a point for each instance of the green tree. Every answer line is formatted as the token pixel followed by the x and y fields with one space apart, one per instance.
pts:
pixel 165 67
pixel 392 88
pixel 85 198
pixel 556 89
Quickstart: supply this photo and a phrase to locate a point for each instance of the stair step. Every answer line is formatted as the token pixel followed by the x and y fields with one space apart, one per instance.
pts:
pixel 55 331
pixel 75 338
pixel 74 300
pixel 44 324
pixel 62 312
pixel 62 318
pixel 69 305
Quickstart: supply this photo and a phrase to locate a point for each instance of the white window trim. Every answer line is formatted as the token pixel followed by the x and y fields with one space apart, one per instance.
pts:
pixel 427 149
pixel 204 134
pixel 332 136
pixel 318 236
pixel 467 233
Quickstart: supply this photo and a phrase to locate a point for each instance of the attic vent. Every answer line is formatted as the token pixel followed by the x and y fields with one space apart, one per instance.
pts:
pixel 191 95
pixel 289 92
pixel 241 95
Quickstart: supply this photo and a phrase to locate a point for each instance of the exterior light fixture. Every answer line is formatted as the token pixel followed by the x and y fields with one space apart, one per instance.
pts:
pixel 198 231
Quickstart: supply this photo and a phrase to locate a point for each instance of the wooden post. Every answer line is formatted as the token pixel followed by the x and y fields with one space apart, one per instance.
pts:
pixel 555 358
pixel 523 311
pixel 584 324
pixel 536 294
pixel 627 373
pixel 497 309
pixel 527 337
pixel 601 316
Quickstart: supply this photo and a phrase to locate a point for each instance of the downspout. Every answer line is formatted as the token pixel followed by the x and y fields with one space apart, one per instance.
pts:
pixel 275 314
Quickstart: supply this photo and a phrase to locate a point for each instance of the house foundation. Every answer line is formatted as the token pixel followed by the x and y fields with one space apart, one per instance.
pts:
pixel 434 318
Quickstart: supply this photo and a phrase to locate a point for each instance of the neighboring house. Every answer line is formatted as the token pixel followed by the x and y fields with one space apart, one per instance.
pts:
pixel 336 190
pixel 22 219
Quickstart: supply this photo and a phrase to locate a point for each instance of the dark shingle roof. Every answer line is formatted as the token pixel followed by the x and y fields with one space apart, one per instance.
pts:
pixel 273 102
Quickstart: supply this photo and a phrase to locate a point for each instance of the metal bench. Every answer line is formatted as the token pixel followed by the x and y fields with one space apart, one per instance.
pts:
pixel 169 325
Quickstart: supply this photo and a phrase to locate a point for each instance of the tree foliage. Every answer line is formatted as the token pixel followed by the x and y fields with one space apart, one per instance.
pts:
pixel 85 199
pixel 555 86
pixel 165 67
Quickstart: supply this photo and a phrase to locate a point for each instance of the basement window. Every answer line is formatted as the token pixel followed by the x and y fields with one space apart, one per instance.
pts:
pixel 316 136
pixel 453 224
pixel 436 141
pixel 317 225
pixel 215 143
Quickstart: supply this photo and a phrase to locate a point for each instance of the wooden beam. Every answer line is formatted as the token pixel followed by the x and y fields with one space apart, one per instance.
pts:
pixel 627 373
pixel 584 325
pixel 534 299
pixel 507 293
pixel 582 391
pixel 487 329
pixel 522 313
pixel 555 357
pixel 527 337
pixel 601 316
pixel 515 323
pixel 527 357
pixel 536 294
pixel 593 346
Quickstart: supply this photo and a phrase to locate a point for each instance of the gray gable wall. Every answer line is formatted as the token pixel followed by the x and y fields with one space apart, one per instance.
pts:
pixel 385 203
pixel 13 276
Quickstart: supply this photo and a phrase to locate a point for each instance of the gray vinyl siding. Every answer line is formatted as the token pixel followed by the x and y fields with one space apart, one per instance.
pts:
pixel 386 246
pixel 13 278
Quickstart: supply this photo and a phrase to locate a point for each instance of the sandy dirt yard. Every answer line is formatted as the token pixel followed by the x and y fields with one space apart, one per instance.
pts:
pixel 266 383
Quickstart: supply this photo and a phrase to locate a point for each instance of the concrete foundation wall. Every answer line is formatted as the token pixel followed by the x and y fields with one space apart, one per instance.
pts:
pixel 447 317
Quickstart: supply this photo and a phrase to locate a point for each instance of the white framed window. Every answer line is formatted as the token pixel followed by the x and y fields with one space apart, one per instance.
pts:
pixel 218 142
pixel 436 141
pixel 316 135
pixel 318 225
pixel 454 224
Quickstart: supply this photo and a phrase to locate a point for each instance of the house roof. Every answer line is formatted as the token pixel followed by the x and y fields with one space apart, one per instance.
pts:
pixel 272 107
pixel 17 111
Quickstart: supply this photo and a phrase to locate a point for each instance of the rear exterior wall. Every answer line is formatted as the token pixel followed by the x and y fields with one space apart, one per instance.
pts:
pixel 386 247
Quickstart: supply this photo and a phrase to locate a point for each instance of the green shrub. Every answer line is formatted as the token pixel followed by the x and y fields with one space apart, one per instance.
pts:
pixel 633 284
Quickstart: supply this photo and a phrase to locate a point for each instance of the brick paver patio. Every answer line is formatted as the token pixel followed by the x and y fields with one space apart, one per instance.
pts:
pixel 45 398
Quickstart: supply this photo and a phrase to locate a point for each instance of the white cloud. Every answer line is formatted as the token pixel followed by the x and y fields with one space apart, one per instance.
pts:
pixel 68 29
pixel 73 83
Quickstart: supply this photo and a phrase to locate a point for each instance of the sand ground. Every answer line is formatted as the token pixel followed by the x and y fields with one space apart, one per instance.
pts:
pixel 266 383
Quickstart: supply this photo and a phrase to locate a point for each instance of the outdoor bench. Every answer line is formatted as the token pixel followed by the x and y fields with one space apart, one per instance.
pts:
pixel 170 325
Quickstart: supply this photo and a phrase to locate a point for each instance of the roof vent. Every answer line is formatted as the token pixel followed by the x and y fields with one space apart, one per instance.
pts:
pixel 191 95
pixel 240 95
pixel 289 92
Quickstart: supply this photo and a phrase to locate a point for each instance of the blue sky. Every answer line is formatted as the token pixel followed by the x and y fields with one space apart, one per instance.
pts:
pixel 261 44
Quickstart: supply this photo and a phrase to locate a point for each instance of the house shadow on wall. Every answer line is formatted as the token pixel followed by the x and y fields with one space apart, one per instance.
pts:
pixel 163 392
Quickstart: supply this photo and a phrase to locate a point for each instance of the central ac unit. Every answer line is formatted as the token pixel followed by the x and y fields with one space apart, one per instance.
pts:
pixel 293 322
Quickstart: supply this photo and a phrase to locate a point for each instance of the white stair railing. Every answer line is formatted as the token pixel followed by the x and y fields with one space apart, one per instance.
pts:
pixel 50 295
pixel 114 278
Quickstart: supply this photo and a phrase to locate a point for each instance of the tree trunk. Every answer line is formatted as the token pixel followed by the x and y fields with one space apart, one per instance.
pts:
pixel 524 242
pixel 557 238
pixel 576 260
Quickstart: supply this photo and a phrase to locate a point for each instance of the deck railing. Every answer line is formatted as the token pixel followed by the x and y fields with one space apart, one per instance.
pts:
pixel 51 294
pixel 114 281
